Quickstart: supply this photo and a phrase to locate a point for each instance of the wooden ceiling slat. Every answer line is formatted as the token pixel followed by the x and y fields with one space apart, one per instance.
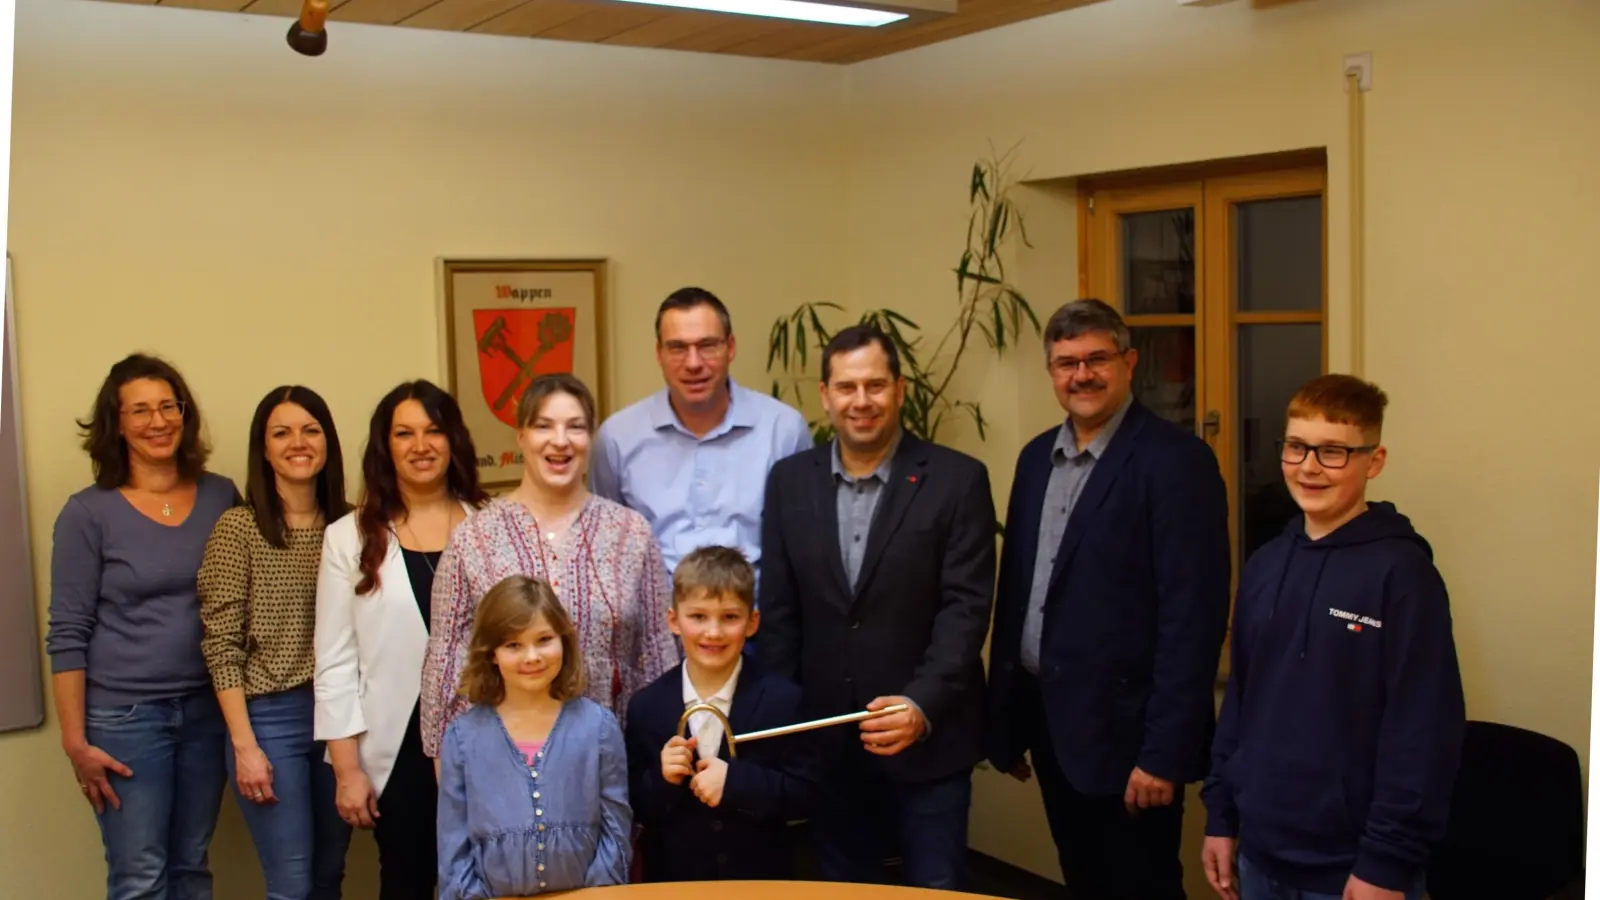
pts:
pixel 605 21
pixel 638 25
pixel 862 38
pixel 668 28
pixel 855 39
pixel 727 33
pixel 269 7
pixel 458 15
pixel 378 12
pixel 211 5
pixel 868 41
pixel 533 17
pixel 787 40
pixel 956 27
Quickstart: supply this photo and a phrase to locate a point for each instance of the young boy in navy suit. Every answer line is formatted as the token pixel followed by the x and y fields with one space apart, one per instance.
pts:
pixel 1340 733
pixel 707 815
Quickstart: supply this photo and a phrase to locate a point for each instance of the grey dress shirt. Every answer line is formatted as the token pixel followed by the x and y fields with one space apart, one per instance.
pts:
pixel 857 501
pixel 1069 472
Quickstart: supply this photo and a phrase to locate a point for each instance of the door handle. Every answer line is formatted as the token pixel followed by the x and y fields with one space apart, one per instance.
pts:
pixel 1213 423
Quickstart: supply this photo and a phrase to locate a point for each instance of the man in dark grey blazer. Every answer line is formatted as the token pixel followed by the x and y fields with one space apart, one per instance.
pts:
pixel 878 578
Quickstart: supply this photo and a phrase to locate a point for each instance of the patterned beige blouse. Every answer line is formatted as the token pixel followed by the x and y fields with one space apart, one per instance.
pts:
pixel 608 572
pixel 258 605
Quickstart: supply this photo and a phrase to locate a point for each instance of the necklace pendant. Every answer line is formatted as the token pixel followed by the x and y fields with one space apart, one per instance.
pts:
pixel 166 510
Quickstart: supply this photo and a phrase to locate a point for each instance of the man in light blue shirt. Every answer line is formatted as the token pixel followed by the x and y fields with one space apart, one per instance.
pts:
pixel 693 457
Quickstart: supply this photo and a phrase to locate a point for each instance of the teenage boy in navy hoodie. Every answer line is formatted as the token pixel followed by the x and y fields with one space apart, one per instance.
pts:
pixel 1340 733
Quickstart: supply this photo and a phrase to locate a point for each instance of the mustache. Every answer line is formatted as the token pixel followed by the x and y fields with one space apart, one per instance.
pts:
pixel 1080 386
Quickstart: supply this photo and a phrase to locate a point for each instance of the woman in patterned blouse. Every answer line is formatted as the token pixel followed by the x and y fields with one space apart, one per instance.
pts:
pixel 258 594
pixel 600 557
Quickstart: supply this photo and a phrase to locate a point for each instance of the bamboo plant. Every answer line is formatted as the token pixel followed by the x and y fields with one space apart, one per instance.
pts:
pixel 987 303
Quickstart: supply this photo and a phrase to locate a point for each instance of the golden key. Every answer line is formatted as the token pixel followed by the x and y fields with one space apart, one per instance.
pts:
pixel 733 739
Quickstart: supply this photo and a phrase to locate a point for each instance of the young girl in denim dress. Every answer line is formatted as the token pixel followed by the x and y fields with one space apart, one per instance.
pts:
pixel 533 778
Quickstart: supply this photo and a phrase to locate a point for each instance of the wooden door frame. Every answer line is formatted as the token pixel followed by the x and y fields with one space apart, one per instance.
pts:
pixel 1214 190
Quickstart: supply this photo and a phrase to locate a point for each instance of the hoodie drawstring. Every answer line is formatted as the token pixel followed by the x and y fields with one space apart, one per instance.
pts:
pixel 1316 581
pixel 1305 621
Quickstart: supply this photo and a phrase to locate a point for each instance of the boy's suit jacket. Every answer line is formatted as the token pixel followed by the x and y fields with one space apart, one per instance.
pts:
pixel 771 782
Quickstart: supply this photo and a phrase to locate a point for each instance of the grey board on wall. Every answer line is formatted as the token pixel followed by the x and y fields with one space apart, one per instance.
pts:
pixel 21 690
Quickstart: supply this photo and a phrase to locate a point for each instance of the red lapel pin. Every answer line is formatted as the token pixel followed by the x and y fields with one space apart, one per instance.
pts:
pixel 911 478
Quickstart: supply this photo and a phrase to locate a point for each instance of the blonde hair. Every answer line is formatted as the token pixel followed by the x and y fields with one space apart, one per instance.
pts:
pixel 504 612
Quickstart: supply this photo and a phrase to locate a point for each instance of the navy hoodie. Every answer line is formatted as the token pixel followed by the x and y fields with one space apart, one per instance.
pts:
pixel 1340 733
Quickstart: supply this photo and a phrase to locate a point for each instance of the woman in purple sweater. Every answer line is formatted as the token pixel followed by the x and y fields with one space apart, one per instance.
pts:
pixel 139 720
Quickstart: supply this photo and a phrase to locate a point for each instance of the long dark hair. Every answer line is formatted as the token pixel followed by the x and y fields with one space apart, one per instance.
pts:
pixel 102 434
pixel 381 502
pixel 261 481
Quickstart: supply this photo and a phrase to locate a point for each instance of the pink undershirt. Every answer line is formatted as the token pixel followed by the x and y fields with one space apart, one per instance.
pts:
pixel 529 749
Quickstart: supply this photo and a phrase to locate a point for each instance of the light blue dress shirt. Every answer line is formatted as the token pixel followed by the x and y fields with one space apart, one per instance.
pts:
pixel 508 829
pixel 697 491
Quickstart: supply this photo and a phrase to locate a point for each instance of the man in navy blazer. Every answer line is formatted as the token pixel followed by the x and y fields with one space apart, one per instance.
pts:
pixel 1111 610
pixel 877 583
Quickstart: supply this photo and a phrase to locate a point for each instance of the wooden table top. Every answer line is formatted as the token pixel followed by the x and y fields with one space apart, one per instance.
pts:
pixel 759 890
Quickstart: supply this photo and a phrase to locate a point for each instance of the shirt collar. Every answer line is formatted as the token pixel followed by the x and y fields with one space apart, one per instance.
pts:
pixel 723 694
pixel 1067 443
pixel 742 413
pixel 881 473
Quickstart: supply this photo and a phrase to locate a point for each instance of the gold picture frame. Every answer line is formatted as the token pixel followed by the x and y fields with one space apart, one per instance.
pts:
pixel 505 321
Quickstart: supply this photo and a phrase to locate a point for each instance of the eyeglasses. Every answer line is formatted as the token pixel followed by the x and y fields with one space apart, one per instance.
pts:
pixel 710 348
pixel 142 414
pixel 1330 456
pixel 1097 362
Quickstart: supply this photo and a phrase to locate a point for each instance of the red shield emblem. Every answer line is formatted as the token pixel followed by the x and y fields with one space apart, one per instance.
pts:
pixel 517 345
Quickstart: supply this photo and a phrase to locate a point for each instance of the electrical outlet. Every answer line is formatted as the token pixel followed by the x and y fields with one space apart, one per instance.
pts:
pixel 1361 65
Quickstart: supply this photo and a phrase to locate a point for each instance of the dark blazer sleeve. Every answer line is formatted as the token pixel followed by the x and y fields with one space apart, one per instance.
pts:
pixel 788 787
pixel 653 799
pixel 966 585
pixel 1192 559
pixel 778 643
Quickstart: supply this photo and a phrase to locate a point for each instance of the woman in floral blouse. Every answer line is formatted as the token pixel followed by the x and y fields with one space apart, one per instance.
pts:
pixel 600 557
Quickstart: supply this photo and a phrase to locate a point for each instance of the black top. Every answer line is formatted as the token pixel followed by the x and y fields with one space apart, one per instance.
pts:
pixel 420 565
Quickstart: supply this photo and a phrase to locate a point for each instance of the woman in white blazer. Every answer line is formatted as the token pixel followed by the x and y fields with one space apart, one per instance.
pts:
pixel 373 592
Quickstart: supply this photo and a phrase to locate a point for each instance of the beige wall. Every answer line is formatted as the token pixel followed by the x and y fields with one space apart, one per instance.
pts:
pixel 169 167
pixel 1481 216
pixel 183 182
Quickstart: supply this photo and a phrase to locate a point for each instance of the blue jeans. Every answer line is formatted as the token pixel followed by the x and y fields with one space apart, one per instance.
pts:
pixel 1253 885
pixel 156 844
pixel 300 839
pixel 927 823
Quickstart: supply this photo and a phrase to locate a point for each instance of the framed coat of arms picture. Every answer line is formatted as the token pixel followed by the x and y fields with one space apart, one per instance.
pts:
pixel 507 322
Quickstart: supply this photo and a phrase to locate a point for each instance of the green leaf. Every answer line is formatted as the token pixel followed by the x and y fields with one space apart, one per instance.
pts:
pixel 821 333
pixel 800 342
pixel 999 327
pixel 979 183
pixel 900 319
pixel 978 276
pixel 996 224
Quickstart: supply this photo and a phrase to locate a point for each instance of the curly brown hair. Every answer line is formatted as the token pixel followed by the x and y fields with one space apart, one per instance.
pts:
pixel 505 612
pixel 102 432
